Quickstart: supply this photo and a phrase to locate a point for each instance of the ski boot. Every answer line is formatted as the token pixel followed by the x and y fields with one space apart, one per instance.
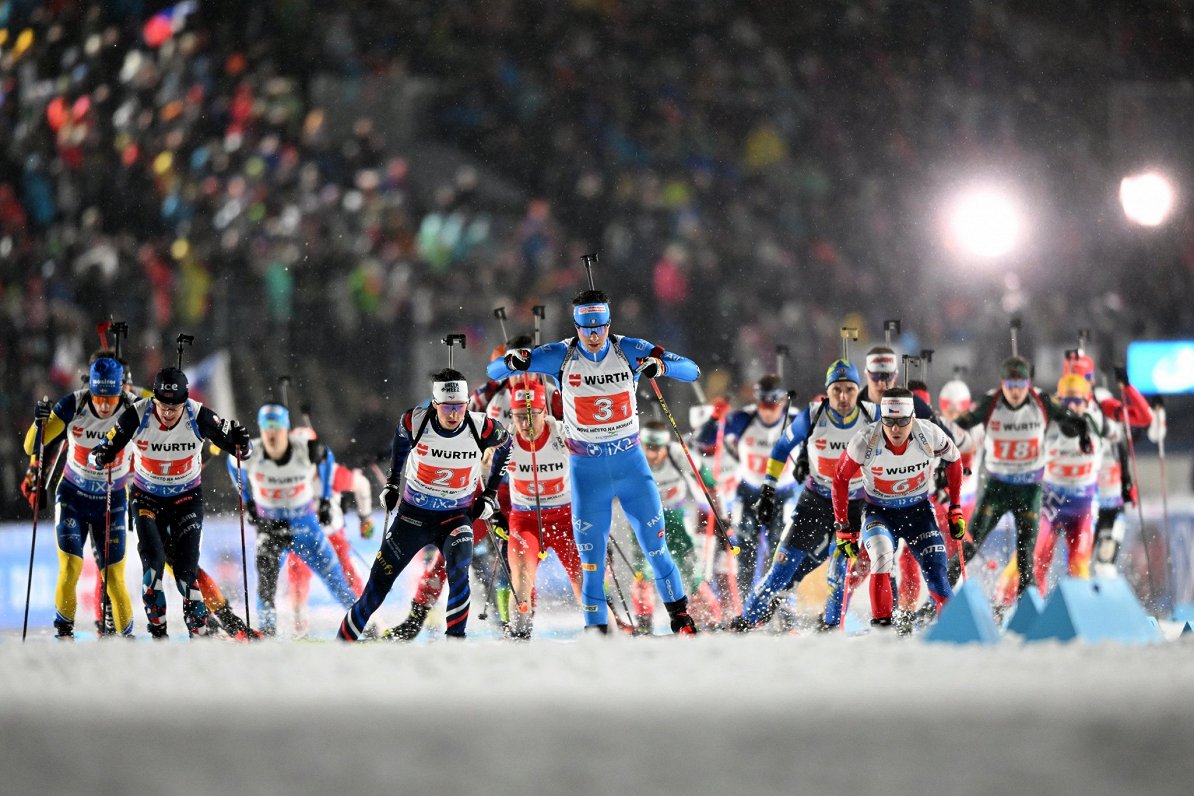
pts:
pixel 408 628
pixel 821 626
pixel 785 619
pixel 596 630
pixel 643 625
pixel 521 618
pixel 883 625
pixel 157 631
pixel 740 624
pixel 65 630
pixel 682 624
pixel 107 625
pixel 925 615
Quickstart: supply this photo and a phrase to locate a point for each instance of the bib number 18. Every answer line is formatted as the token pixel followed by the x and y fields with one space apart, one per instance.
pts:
pixel 1019 450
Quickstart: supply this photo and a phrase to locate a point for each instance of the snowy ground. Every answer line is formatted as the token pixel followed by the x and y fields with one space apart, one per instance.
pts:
pixel 716 714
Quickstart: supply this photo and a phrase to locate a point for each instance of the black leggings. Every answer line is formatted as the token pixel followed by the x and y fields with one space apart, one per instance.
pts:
pixel 169 530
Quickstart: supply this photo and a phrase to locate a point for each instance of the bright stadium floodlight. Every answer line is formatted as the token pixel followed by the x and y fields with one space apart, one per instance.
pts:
pixel 985 222
pixel 1147 198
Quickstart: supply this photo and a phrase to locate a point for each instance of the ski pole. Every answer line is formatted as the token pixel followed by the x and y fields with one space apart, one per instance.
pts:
pixel 1014 329
pixel 1159 413
pixel 613 573
pixel 48 475
pixel 722 535
pixel 183 340
pixel 890 326
pixel 710 523
pixel 489 595
pixel 540 313
pixel 497 550
pixel 535 475
pixel 105 600
pixel 622 555
pixel 846 591
pixel 1148 557
pixel 37 481
pixel 244 555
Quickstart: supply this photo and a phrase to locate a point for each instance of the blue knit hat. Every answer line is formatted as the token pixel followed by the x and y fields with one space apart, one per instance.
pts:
pixel 273 416
pixel 842 370
pixel 106 377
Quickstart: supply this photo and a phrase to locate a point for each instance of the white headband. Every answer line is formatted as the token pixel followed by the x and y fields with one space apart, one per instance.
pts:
pixel 655 437
pixel 896 407
pixel 450 392
pixel 881 363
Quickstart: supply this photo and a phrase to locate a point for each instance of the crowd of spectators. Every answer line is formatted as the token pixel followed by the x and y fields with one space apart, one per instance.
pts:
pixel 750 177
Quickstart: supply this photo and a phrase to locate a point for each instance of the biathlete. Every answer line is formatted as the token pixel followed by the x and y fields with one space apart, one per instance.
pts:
pixel 280 501
pixel 1071 481
pixel 167 498
pixel 546 472
pixel 1015 418
pixel 895 458
pixel 1116 489
pixel 89 500
pixel 345 480
pixel 435 462
pixel 824 427
pixel 749 435
pixel 598 374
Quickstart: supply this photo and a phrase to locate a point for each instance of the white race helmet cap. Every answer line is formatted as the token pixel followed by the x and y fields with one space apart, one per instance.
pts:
pixel 954 393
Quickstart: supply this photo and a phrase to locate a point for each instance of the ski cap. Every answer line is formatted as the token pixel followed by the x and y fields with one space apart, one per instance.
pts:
pixel 449 392
pixel 585 315
pixel 1015 368
pixel 531 392
pixel 1074 383
pixel 842 370
pixel 170 386
pixel 273 416
pixel 106 378
pixel 1080 364
pixel 882 362
pixel 954 395
pixel 900 406
pixel 769 390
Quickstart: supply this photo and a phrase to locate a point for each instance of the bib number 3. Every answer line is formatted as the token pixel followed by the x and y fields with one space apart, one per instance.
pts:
pixel 602 409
